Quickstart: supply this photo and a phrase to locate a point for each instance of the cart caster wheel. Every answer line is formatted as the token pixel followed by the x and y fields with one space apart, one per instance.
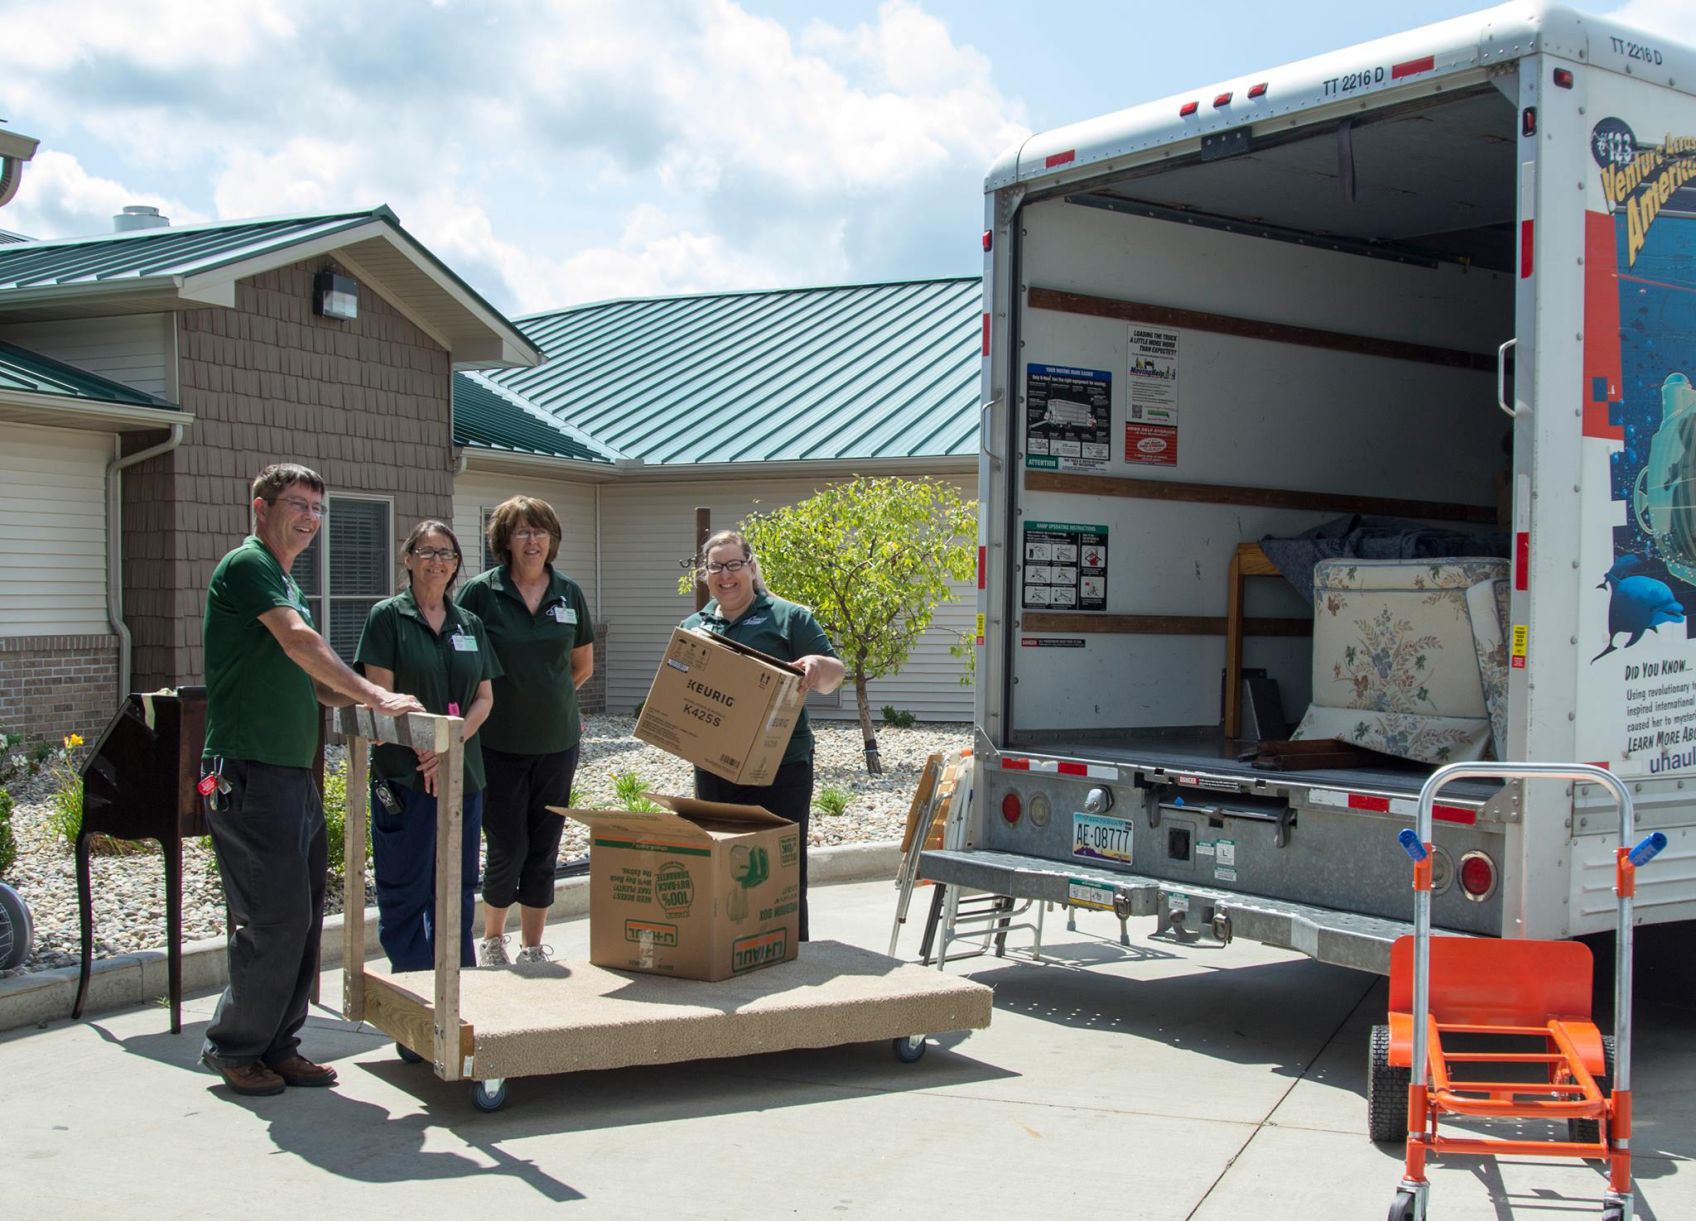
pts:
pixel 1404 1207
pixel 910 1049
pixel 406 1053
pixel 489 1095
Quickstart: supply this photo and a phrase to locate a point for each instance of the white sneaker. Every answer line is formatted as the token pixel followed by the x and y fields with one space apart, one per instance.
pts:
pixel 535 953
pixel 491 952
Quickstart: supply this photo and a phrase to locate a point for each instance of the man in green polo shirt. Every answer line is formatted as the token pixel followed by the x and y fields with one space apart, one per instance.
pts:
pixel 267 670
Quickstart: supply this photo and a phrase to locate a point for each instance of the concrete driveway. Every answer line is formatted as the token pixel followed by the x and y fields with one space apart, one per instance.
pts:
pixel 1158 1082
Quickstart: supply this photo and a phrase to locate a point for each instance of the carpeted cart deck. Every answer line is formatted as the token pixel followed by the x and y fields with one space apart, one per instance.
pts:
pixel 525 1020
pixel 489 1024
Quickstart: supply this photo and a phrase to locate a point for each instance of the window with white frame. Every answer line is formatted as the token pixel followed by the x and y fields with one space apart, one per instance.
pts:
pixel 353 559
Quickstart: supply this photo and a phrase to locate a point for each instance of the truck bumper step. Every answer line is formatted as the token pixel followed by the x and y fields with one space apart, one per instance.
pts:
pixel 1341 938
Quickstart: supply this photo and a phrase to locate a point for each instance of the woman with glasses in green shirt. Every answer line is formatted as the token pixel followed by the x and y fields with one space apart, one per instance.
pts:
pixel 744 611
pixel 419 642
pixel 540 628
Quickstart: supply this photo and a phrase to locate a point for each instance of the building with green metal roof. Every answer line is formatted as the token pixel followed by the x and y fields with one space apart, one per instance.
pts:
pixel 730 402
pixel 154 371
pixel 146 376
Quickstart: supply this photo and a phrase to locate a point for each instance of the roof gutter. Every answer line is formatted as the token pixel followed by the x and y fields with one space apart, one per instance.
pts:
pixel 497 461
pixel 115 548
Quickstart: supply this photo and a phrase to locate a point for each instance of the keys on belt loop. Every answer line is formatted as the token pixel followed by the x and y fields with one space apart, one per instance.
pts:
pixel 213 787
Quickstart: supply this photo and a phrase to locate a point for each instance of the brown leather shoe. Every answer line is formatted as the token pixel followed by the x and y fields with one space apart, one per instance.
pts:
pixel 250 1080
pixel 298 1070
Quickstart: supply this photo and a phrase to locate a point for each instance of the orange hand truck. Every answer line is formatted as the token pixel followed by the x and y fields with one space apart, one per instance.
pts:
pixel 1514 989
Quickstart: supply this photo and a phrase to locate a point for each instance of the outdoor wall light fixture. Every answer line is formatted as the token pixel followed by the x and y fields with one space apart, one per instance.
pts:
pixel 335 296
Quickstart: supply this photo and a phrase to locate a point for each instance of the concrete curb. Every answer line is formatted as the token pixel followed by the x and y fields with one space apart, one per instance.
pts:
pixel 127 980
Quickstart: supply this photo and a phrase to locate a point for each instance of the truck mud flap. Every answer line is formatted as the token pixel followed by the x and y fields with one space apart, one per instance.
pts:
pixel 1340 938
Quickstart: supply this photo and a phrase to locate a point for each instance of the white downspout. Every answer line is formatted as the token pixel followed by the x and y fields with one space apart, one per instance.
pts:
pixel 115 548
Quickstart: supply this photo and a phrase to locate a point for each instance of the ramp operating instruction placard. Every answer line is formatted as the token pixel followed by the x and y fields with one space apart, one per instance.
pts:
pixel 1065 566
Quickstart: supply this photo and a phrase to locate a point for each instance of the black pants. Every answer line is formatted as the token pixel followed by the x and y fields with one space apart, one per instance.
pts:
pixel 521 832
pixel 269 838
pixel 789 795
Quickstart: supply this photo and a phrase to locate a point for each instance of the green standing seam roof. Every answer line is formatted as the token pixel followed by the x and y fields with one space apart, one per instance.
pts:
pixel 141 256
pixel 490 418
pixel 863 371
pixel 28 372
pixel 145 254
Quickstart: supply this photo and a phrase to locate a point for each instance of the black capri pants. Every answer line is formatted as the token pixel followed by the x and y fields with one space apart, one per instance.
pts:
pixel 522 834
pixel 789 795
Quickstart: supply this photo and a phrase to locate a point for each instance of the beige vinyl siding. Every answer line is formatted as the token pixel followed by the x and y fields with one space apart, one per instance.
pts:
pixel 647 528
pixel 52 531
pixel 135 349
pixel 475 493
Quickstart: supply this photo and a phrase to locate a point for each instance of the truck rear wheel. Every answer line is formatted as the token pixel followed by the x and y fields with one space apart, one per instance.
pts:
pixel 1386 1091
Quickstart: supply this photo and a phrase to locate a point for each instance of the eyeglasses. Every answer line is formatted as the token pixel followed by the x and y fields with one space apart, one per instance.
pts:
pixel 319 511
pixel 435 553
pixel 729 566
pixel 526 535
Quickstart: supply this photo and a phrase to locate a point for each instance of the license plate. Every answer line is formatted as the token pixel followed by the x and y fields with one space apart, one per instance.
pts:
pixel 1098 838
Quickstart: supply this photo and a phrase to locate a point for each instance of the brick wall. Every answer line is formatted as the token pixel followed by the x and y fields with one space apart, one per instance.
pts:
pixel 54 685
pixel 366 403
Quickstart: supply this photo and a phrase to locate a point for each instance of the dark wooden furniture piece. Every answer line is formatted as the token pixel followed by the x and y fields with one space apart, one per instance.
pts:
pixel 139 783
pixel 1248 560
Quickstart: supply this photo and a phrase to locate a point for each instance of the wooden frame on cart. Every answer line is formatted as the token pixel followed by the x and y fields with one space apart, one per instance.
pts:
pixel 429 1026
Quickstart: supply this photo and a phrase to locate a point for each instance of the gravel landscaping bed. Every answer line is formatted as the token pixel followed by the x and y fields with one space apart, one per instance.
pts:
pixel 129 891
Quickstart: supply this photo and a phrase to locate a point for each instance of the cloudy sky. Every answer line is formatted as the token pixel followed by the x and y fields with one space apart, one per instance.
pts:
pixel 559 151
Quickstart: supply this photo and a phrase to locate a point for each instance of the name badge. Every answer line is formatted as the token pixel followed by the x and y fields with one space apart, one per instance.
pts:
pixel 564 614
pixel 464 644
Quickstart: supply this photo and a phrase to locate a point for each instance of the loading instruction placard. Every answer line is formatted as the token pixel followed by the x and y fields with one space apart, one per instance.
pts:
pixel 1065 566
pixel 1151 415
pixel 1068 424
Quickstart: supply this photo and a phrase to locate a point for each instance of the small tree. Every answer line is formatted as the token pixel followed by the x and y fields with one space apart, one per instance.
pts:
pixel 874 558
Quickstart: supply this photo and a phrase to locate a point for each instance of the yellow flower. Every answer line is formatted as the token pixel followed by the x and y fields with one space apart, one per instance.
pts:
pixel 74 739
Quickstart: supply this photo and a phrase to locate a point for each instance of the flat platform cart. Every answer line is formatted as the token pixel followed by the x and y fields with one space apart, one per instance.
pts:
pixel 489 1025
pixel 1482 991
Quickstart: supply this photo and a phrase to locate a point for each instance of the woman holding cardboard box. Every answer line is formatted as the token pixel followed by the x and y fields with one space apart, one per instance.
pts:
pixel 541 630
pixel 744 611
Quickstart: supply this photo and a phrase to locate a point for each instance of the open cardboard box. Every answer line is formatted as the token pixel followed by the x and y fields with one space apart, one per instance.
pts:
pixel 722 706
pixel 697 890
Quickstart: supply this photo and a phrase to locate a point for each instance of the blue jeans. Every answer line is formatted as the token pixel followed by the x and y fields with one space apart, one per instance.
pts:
pixel 403 850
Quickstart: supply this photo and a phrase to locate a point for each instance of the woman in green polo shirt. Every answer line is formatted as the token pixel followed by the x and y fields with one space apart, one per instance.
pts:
pixel 419 642
pixel 539 625
pixel 743 610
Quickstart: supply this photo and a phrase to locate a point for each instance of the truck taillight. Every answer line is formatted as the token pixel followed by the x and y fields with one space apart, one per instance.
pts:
pixel 988 239
pixel 1477 876
pixel 1011 808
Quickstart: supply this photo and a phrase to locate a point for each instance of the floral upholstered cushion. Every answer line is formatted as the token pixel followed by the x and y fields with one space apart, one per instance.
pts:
pixel 1396 665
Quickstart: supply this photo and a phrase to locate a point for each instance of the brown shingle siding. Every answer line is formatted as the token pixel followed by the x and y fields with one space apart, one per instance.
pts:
pixel 366 403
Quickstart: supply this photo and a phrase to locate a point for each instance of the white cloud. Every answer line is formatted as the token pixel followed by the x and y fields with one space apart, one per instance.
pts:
pixel 171 34
pixel 563 151
pixel 59 198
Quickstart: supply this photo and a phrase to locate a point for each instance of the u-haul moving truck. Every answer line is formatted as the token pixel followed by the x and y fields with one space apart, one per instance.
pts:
pixel 1447 275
